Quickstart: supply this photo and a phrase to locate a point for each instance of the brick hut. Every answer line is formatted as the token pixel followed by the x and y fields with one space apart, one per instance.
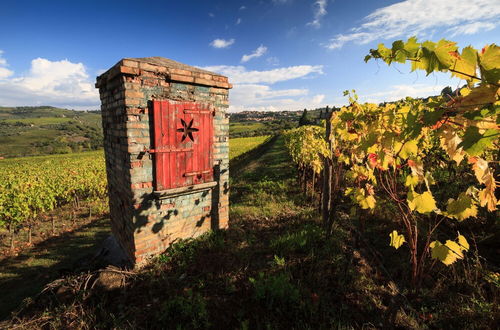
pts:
pixel 167 152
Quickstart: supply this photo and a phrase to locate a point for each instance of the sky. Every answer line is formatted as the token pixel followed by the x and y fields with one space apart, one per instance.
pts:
pixel 279 54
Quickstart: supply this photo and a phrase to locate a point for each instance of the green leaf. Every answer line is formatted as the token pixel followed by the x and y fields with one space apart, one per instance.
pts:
pixel 461 208
pixel 399 54
pixel 474 143
pixel 490 63
pixel 412 46
pixel 396 239
pixel 385 53
pixel 432 117
pixel 422 203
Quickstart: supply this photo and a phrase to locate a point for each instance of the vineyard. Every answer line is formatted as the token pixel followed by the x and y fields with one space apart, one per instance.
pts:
pixel 430 167
pixel 239 146
pixel 31 187
pixel 381 216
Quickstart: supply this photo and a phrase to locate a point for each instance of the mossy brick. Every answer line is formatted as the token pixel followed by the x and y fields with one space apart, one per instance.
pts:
pixel 128 94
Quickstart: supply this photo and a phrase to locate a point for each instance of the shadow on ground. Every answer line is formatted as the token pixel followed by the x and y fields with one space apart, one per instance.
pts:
pixel 26 274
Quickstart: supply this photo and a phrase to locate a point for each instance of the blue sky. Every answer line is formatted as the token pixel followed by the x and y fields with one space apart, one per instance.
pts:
pixel 279 54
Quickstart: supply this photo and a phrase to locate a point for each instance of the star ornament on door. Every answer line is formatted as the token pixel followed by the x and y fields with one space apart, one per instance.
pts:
pixel 187 130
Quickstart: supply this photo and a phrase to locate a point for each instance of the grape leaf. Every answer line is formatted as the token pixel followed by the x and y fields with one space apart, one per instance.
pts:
pixel 398 52
pixel 396 239
pixel 412 46
pixel 450 143
pixel 411 181
pixel 487 195
pixel 444 50
pixel 422 203
pixel 465 64
pixel 417 167
pixel 463 243
pixel 477 98
pixel 475 143
pixel 410 148
pixel 490 63
pixel 451 251
pixel 461 208
pixel 367 202
pixel 442 253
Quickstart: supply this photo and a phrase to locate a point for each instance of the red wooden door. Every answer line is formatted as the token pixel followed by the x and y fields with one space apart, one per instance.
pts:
pixel 183 139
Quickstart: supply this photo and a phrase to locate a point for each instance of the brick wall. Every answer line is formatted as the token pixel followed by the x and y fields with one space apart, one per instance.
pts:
pixel 146 223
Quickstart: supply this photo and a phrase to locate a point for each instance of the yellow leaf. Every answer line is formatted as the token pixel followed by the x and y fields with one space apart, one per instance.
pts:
pixel 411 181
pixel 455 249
pixel 422 203
pixel 410 148
pixel 485 176
pixel 465 91
pixel 396 239
pixel 480 167
pixel 367 202
pixel 442 253
pixel 451 251
pixel 449 142
pixel 478 97
pixel 461 208
pixel 465 65
pixel 463 243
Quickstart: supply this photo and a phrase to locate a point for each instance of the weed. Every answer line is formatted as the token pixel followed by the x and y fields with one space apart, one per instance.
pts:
pixel 279 261
pixel 302 241
pixel 187 311
pixel 275 291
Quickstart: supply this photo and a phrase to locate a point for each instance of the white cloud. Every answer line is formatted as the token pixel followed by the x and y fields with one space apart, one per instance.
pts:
pixel 238 21
pixel 243 8
pixel 262 98
pixel 261 50
pixel 418 17
pixel 212 15
pixel 251 91
pixel 221 43
pixel 57 83
pixel 319 12
pixel 239 75
pixel 4 72
pixel 398 92
pixel 471 28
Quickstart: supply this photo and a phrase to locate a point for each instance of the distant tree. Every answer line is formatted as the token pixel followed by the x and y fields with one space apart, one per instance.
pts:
pixel 305 119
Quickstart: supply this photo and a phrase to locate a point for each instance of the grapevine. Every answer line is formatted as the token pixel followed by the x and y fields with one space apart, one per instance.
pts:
pixel 399 152
pixel 31 186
